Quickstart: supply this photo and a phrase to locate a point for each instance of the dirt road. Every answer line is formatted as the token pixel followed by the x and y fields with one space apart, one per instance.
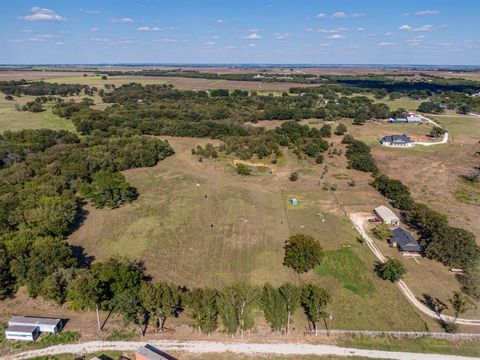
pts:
pixel 358 221
pixel 199 347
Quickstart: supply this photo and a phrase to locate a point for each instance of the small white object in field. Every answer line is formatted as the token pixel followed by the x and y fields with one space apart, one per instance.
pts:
pixel 198 184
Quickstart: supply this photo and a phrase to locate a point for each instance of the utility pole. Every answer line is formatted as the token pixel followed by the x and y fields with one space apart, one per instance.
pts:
pixel 98 318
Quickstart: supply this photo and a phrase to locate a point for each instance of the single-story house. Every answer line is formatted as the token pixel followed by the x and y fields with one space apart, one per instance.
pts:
pixel 397 141
pixel 48 325
pixel 148 352
pixel 387 215
pixel 22 332
pixel 404 240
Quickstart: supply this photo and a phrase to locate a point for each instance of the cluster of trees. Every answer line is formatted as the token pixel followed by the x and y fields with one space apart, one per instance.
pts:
pixel 454 247
pixel 43 176
pixel 38 88
pixel 359 155
pixel 430 107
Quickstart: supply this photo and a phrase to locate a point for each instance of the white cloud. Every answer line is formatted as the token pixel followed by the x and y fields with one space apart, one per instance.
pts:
pixel 253 30
pixel 336 36
pixel 222 21
pixel 339 15
pixel 209 43
pixel 389 33
pixel 427 13
pixel 325 45
pixel 405 28
pixel 125 20
pixel 321 15
pixel 252 45
pixel 94 29
pixel 426 27
pixel 59 43
pixel 42 14
pixel 359 14
pixel 360 29
pixel 100 39
pixel 416 41
pixel 168 40
pixel 253 36
pixel 384 43
pixel 281 36
pixel 15 40
pixel 148 29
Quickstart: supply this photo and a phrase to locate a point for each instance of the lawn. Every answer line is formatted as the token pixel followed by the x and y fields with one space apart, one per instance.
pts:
pixel 12 119
pixel 201 224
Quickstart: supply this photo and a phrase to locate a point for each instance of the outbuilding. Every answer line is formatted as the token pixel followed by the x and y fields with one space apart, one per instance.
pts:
pixel 48 325
pixel 148 352
pixel 404 240
pixel 22 332
pixel 387 215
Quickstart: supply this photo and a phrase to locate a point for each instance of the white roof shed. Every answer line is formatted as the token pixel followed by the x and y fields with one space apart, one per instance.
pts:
pixel 48 325
pixel 387 215
pixel 19 332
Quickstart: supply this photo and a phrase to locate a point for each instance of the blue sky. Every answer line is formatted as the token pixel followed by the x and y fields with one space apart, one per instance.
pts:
pixel 241 31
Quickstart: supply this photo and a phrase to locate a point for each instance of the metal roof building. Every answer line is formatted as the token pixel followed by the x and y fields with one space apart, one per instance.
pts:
pixel 148 352
pixel 404 240
pixel 21 332
pixel 387 215
pixel 44 324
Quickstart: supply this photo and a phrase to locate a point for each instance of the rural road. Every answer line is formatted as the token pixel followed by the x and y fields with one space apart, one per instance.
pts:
pixel 358 221
pixel 199 347
pixel 424 143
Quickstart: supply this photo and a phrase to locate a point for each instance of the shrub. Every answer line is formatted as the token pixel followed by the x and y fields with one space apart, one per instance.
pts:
pixel 293 176
pixel 243 169
pixel 392 270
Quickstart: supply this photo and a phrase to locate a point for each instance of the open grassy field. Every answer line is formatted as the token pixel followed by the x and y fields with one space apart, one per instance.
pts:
pixel 202 224
pixel 12 119
pixel 181 83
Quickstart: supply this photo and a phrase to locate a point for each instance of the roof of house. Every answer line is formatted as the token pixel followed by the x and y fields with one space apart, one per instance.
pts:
pixel 153 353
pixel 27 320
pixel 21 329
pixel 404 240
pixel 385 213
pixel 397 139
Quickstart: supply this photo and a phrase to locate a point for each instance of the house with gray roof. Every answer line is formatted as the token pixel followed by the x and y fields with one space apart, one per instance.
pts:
pixel 397 141
pixel 404 241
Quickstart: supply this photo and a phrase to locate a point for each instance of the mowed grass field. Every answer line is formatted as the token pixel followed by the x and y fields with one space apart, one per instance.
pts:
pixel 201 224
pixel 12 119
pixel 178 82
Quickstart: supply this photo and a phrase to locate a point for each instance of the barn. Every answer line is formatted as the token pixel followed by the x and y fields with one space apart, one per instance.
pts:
pixel 387 215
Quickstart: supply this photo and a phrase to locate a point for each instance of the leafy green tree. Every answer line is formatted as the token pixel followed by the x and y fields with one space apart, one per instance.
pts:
pixel 392 270
pixel 108 189
pixel 203 305
pixel 314 300
pixel 291 298
pixel 382 231
pixel 54 287
pixel 235 307
pixel 326 130
pixel 85 291
pixel 117 275
pixel 162 300
pixel 302 253
pixel 460 303
pixel 437 131
pixel 46 256
pixel 129 305
pixel 274 307
pixel 471 280
pixel 341 129
pixel 430 107
pixel 6 279
pixel 243 169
